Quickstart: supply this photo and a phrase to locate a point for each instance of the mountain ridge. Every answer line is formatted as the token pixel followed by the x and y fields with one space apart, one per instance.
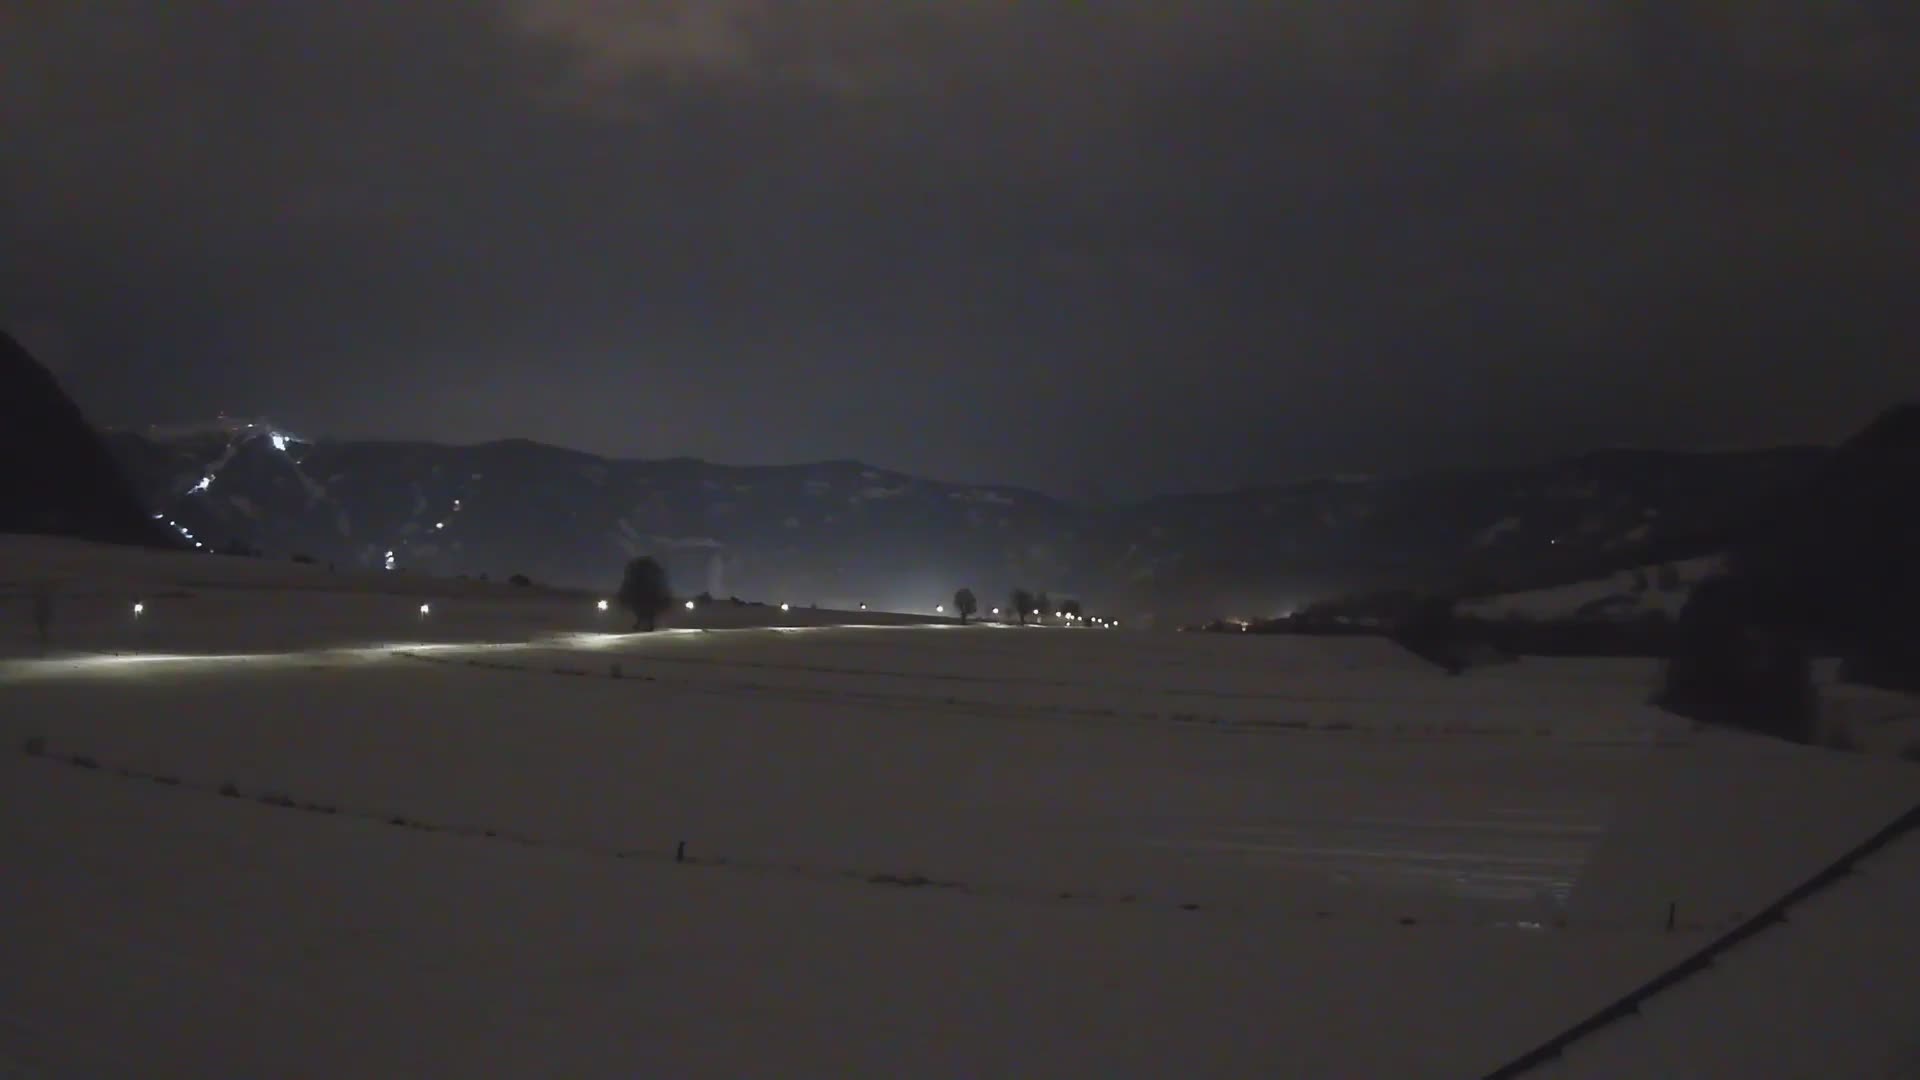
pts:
pixel 843 532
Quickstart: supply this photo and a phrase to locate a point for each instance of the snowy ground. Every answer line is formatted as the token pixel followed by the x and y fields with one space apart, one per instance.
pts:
pixel 1628 594
pixel 1828 993
pixel 910 846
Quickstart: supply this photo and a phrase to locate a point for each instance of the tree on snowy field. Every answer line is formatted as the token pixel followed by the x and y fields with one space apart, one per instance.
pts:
pixel 1739 660
pixel 1022 601
pixel 644 591
pixel 965 604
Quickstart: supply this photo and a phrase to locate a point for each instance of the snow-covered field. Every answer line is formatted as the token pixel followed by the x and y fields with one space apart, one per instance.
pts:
pixel 450 845
pixel 1628 594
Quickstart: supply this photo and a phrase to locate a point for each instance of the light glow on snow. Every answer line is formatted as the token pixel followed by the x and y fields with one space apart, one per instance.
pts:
pixel 75 665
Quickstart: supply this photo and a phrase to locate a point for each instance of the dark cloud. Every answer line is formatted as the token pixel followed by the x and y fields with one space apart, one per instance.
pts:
pixel 1138 244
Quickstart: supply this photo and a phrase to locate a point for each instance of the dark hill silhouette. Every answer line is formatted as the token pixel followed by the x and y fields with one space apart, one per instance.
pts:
pixel 1843 552
pixel 1833 568
pixel 56 475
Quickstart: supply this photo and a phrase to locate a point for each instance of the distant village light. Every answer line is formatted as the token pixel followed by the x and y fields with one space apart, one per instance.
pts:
pixel 139 610
pixel 602 605
pixel 426 609
pixel 689 605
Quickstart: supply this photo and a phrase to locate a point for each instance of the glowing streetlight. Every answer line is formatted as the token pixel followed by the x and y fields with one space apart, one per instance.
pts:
pixel 279 442
pixel 863 607
pixel 786 607
pixel 139 610
pixel 939 609
pixel 602 605
pixel 689 605
pixel 426 610
pixel 996 611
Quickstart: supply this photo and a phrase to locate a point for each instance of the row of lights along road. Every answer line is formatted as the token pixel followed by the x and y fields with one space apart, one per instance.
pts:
pixel 140 609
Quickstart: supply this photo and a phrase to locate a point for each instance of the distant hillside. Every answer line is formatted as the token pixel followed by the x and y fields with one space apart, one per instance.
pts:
pixel 56 475
pixel 1828 562
pixel 842 532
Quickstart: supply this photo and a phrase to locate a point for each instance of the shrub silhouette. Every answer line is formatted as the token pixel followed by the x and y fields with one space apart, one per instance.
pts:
pixel 1022 602
pixel 644 591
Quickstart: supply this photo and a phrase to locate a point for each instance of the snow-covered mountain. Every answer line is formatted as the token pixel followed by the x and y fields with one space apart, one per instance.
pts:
pixel 843 532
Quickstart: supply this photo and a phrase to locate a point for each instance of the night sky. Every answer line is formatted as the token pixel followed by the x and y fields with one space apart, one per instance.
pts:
pixel 1104 249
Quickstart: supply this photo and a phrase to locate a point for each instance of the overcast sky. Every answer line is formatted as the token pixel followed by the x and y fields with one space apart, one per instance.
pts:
pixel 1117 247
